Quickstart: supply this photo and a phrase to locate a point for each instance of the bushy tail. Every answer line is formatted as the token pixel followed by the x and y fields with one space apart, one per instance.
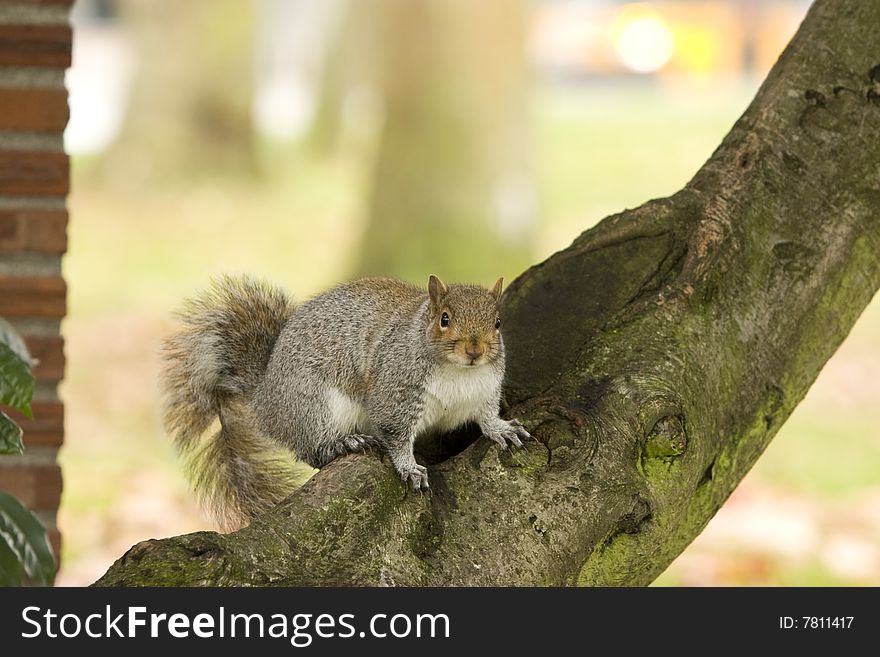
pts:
pixel 212 367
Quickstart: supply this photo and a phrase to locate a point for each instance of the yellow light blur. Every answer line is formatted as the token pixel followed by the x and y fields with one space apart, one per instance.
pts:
pixel 642 38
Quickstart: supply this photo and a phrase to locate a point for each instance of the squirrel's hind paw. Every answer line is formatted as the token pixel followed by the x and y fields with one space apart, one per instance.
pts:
pixel 358 443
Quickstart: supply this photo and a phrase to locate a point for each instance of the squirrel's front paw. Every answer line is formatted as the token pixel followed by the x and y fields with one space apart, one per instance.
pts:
pixel 416 476
pixel 504 432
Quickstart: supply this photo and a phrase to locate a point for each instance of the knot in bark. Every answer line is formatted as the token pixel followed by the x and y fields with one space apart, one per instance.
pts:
pixel 667 439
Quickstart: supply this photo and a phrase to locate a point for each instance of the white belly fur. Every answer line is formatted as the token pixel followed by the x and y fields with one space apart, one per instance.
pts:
pixel 346 415
pixel 455 395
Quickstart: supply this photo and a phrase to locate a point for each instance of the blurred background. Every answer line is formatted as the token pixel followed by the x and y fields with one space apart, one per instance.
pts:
pixel 310 141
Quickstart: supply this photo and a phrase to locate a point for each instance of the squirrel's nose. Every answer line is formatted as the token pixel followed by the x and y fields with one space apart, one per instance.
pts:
pixel 474 351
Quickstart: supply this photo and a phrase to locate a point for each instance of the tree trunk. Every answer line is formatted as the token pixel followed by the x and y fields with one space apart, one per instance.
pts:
pixel 654 359
pixel 451 183
pixel 190 109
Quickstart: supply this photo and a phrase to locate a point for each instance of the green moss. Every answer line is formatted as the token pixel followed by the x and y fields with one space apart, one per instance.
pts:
pixel 529 460
pixel 612 563
pixel 425 536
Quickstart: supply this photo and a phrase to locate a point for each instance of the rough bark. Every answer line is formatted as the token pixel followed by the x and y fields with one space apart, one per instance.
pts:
pixel 654 359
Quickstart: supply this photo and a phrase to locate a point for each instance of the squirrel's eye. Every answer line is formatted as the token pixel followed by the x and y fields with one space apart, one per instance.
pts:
pixel 444 320
pixel 497 323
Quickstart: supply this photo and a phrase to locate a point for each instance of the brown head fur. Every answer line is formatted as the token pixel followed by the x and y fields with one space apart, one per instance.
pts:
pixel 464 326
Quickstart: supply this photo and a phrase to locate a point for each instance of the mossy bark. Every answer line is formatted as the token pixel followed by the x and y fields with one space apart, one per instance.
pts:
pixel 653 359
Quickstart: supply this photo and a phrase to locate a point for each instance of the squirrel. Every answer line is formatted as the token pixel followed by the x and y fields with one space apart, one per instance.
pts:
pixel 370 363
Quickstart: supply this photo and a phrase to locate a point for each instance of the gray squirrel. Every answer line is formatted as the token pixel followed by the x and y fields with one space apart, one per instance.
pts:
pixel 371 363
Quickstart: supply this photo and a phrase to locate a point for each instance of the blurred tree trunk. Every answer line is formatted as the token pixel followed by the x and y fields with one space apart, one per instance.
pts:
pixel 190 106
pixel 451 186
pixel 349 68
pixel 654 360
pixel 291 47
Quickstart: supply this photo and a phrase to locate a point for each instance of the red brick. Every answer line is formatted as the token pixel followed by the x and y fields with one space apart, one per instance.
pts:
pixel 33 109
pixel 49 352
pixel 38 296
pixel 27 173
pixel 35 45
pixel 37 486
pixel 42 231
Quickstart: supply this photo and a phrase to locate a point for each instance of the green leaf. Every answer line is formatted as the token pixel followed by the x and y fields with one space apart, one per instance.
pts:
pixel 10 569
pixel 9 336
pixel 25 536
pixel 10 436
pixel 16 380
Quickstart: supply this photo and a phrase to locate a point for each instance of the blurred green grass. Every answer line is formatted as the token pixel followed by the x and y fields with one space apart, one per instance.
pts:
pixel 137 250
pixel 830 453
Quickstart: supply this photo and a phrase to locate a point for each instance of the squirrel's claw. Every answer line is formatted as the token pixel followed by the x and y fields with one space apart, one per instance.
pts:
pixel 513 439
pixel 509 431
pixel 521 430
pixel 416 477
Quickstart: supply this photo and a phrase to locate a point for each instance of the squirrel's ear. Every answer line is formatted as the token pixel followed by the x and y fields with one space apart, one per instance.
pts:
pixel 496 289
pixel 436 289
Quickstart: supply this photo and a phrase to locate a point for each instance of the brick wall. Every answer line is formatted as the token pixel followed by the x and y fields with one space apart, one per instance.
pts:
pixel 35 49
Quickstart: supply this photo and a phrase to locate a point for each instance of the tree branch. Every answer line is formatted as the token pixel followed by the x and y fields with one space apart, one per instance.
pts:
pixel 654 359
